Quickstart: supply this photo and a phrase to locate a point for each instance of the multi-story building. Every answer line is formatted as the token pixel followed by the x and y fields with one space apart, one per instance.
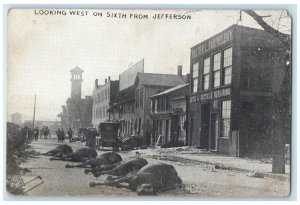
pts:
pixel 147 85
pixel 169 114
pixel 78 111
pixel 233 75
pixel 104 95
pixel 123 107
pixel 122 110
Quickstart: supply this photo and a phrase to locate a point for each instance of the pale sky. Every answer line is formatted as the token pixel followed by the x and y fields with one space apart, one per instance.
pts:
pixel 43 49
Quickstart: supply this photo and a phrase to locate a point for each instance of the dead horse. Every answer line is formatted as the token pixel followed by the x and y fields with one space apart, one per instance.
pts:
pixel 153 177
pixel 59 151
pixel 124 168
pixel 107 158
pixel 80 155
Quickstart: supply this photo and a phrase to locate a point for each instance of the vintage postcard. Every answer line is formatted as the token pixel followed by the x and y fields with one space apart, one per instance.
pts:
pixel 159 102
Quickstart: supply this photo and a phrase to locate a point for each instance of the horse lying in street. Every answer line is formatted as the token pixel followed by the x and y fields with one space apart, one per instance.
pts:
pixel 151 179
pixel 122 169
pixel 107 158
pixel 59 151
pixel 80 155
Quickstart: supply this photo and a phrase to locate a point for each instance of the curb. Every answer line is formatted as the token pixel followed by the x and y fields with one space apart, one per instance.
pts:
pixel 224 167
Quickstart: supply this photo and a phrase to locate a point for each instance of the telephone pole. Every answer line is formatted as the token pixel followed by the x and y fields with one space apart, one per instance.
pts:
pixel 34 111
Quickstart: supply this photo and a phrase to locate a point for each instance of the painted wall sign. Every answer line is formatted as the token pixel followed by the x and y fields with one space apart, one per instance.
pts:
pixel 211 44
pixel 215 94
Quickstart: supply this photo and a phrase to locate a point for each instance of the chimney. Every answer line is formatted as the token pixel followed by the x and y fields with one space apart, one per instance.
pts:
pixel 188 76
pixel 96 83
pixel 108 78
pixel 179 70
pixel 105 80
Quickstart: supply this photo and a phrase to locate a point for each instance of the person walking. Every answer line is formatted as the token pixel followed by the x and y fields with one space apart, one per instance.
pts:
pixel 70 133
pixel 62 135
pixel 36 133
pixel 58 134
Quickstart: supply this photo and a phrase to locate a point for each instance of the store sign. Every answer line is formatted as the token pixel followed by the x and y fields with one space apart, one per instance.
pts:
pixel 211 44
pixel 215 94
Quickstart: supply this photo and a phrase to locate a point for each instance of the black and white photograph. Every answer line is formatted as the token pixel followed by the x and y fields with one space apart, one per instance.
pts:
pixel 148 102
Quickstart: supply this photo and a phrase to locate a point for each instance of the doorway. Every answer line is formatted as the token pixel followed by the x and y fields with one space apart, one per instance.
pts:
pixel 214 131
pixel 204 137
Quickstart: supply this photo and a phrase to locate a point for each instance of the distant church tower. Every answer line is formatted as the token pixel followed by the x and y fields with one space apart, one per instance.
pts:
pixel 76 79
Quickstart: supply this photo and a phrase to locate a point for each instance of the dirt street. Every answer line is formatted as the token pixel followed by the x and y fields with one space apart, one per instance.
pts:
pixel 199 180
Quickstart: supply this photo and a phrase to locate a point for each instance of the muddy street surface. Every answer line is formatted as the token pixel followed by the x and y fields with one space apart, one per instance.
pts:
pixel 198 179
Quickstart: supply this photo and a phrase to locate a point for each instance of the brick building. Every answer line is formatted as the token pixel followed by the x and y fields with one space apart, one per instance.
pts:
pixel 233 75
pixel 103 96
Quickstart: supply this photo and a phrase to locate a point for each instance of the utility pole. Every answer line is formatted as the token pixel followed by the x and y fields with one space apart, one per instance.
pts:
pixel 34 111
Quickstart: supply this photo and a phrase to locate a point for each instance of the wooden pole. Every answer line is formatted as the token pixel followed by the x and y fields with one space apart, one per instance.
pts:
pixel 34 111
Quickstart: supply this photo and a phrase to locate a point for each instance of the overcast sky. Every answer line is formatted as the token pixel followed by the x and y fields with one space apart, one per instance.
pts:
pixel 43 49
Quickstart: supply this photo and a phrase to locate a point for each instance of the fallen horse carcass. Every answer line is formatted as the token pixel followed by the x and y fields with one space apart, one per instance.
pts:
pixel 124 168
pixel 107 158
pixel 80 155
pixel 59 151
pixel 150 179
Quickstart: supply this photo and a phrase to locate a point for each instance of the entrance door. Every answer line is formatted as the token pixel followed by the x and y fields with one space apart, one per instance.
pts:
pixel 214 131
pixel 204 137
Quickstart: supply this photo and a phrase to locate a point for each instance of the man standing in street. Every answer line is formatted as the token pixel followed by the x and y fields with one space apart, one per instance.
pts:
pixel 36 133
pixel 70 133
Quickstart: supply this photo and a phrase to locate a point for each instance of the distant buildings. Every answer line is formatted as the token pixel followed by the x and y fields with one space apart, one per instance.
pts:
pixel 16 118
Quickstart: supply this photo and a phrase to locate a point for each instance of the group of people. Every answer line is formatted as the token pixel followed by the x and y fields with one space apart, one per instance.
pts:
pixel 44 132
pixel 61 135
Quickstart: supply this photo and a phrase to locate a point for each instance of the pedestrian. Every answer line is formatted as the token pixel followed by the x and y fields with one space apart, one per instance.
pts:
pixel 36 134
pixel 58 134
pixel 70 133
pixel 41 133
pixel 62 135
pixel 45 133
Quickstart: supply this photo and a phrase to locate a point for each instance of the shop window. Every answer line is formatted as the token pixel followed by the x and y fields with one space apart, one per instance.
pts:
pixel 227 69
pixel 206 69
pixel 195 76
pixel 216 70
pixel 226 114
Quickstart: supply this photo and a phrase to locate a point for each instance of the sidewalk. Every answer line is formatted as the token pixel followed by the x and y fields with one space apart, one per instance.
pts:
pixel 224 162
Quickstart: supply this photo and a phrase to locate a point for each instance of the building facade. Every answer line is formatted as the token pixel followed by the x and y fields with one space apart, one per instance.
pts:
pixel 78 111
pixel 122 111
pixel 103 96
pixel 169 115
pixel 232 79
pixel 147 85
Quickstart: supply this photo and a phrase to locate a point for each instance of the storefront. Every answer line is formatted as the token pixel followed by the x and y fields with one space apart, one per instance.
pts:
pixel 232 75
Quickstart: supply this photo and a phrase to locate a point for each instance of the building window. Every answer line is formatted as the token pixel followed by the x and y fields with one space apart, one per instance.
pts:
pixel 206 68
pixel 227 70
pixel 216 70
pixel 195 75
pixel 226 113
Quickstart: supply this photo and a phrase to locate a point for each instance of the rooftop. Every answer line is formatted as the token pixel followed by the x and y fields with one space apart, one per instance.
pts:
pixel 170 90
pixel 160 79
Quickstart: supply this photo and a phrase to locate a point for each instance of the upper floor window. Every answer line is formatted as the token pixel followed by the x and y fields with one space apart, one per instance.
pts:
pixel 227 70
pixel 216 70
pixel 195 76
pixel 206 68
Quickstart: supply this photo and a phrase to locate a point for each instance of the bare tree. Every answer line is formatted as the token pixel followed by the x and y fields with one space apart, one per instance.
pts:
pixel 281 96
